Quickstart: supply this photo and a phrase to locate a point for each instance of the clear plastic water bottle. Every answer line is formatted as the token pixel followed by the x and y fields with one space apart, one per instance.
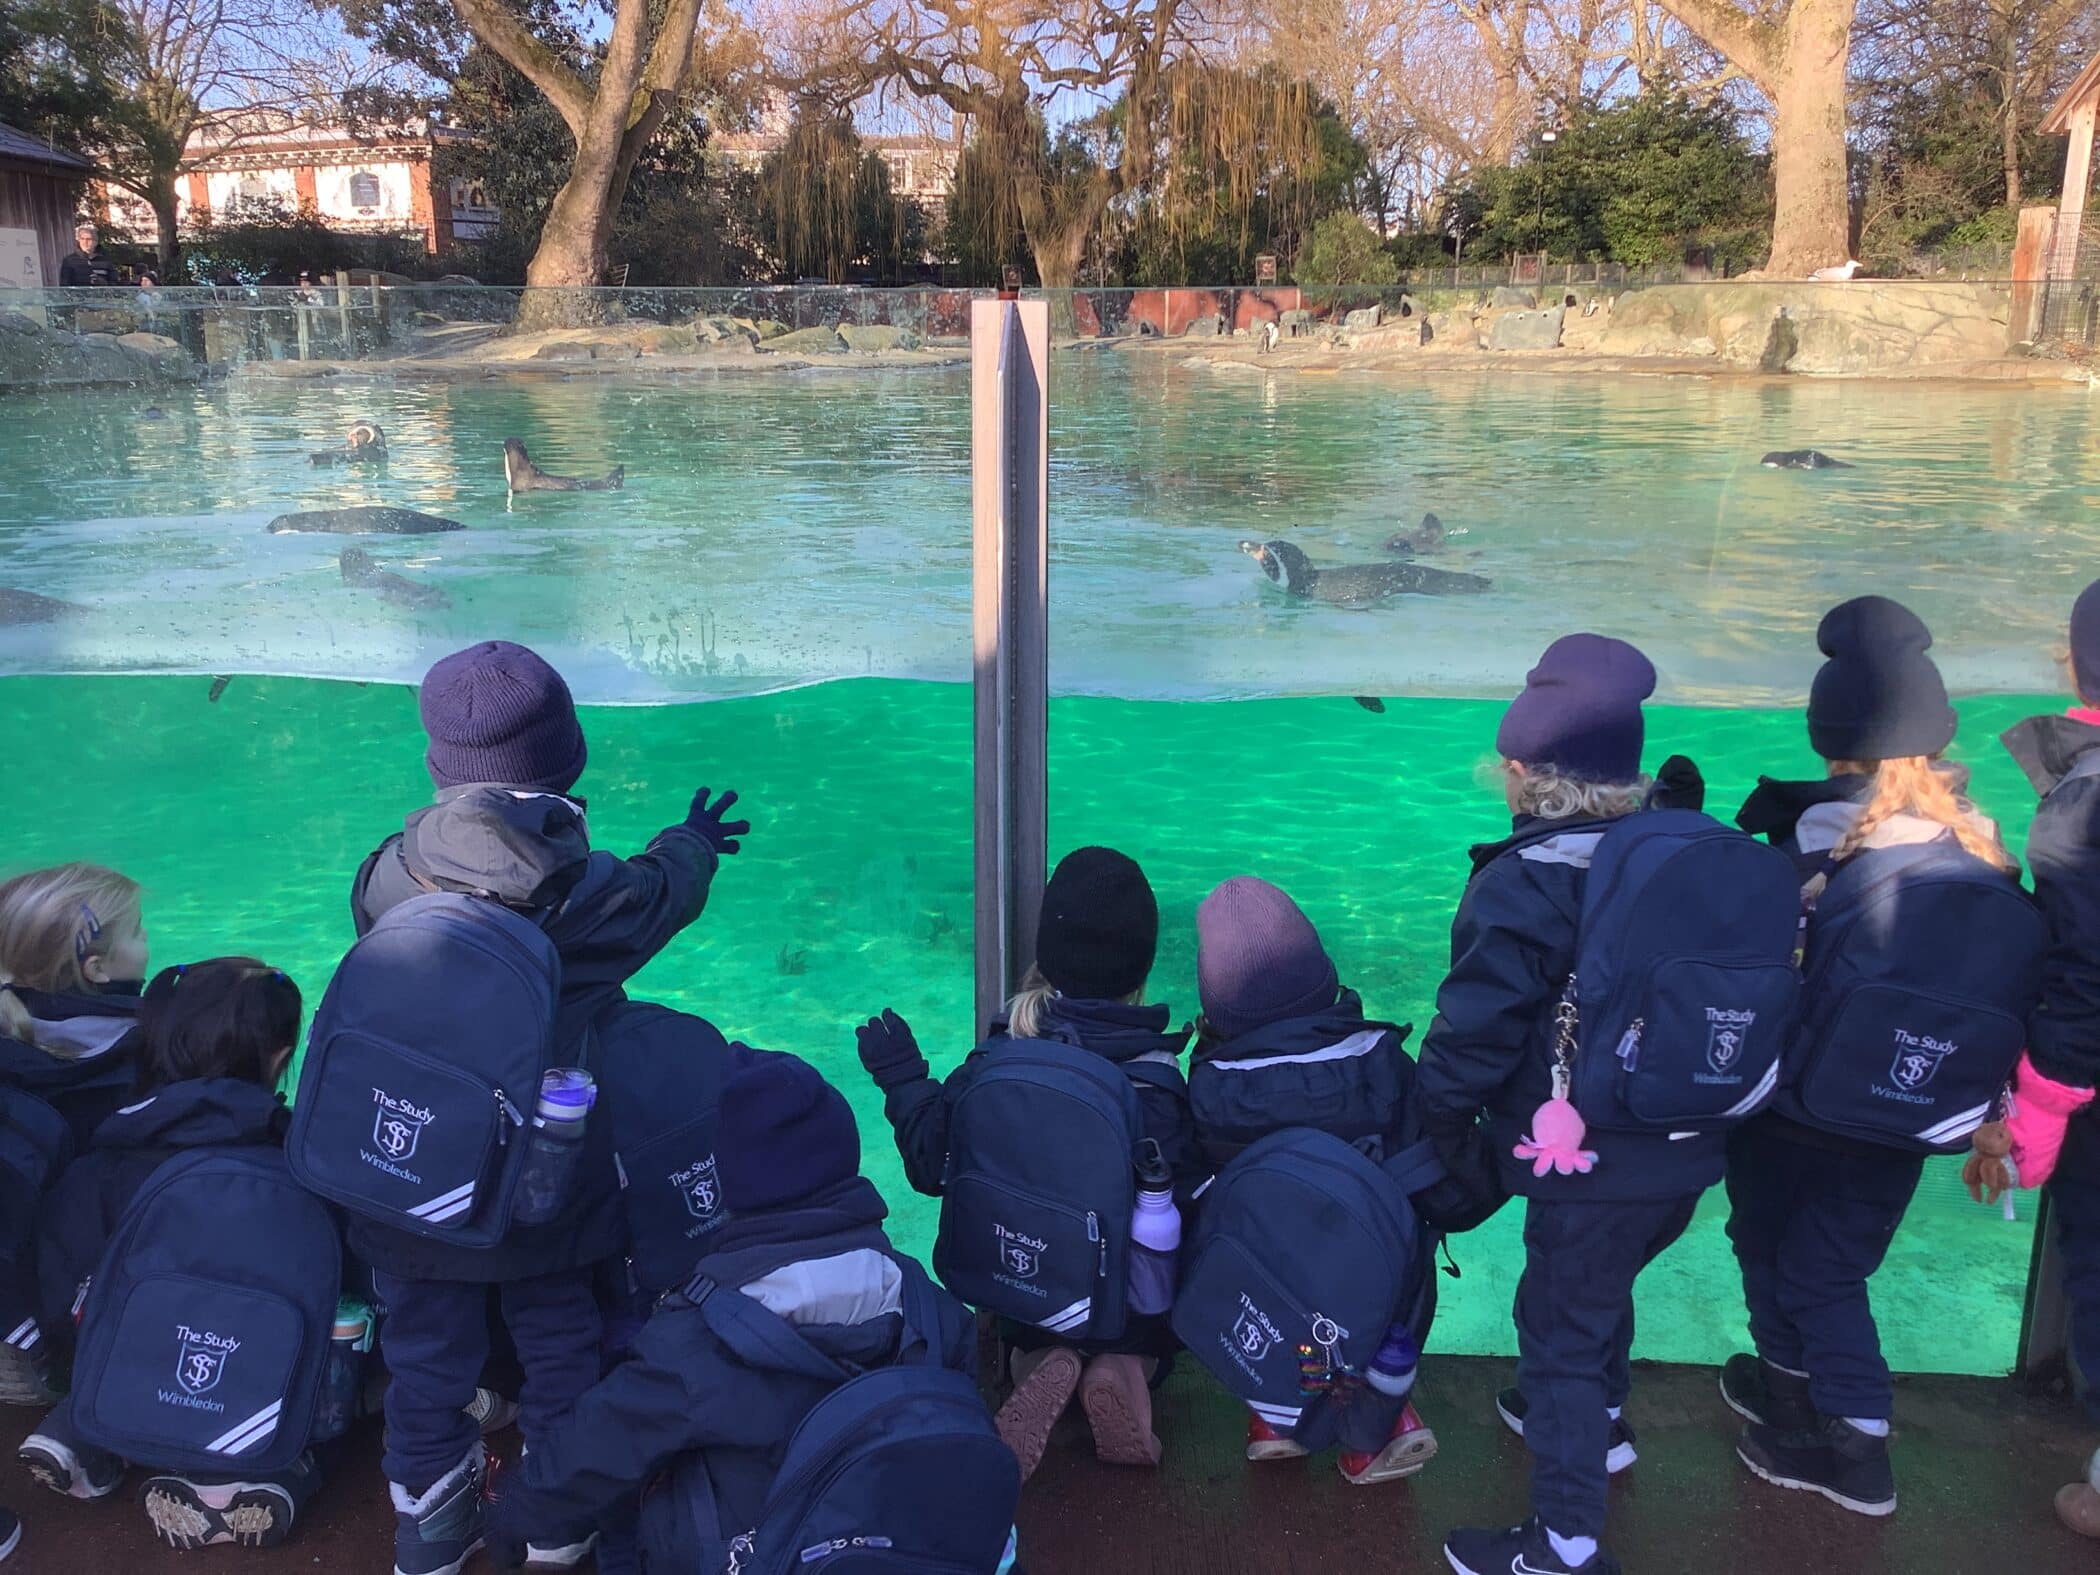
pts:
pixel 566 1096
pixel 340 1390
pixel 1155 1234
pixel 1392 1370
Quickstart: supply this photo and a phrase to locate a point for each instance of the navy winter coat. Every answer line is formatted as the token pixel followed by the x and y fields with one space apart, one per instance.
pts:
pixel 88 1085
pixel 83 1209
pixel 2063 850
pixel 686 1401
pixel 1488 1053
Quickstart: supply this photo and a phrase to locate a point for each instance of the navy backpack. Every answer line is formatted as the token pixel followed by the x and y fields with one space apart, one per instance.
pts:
pixel 423 1069
pixel 35 1145
pixel 204 1338
pixel 660 1076
pixel 1923 964
pixel 1303 1241
pixel 1684 990
pixel 1039 1187
pixel 898 1471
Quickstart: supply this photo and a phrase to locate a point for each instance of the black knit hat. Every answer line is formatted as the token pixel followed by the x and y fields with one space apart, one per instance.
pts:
pixel 782 1134
pixel 1879 696
pixel 496 712
pixel 2085 643
pixel 1099 927
pixel 1580 712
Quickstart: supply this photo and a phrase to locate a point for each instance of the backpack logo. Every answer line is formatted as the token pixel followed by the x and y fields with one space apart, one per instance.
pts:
pixel 1918 1057
pixel 1726 1033
pixel 397 1125
pixel 1253 1336
pixel 201 1361
pixel 1019 1255
pixel 697 1185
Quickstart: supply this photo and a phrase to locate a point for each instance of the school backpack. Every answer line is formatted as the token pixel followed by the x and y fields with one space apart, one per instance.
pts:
pixel 1684 988
pixel 1922 966
pixel 1306 1250
pixel 898 1471
pixel 204 1338
pixel 35 1145
pixel 660 1076
pixel 1038 1190
pixel 423 1068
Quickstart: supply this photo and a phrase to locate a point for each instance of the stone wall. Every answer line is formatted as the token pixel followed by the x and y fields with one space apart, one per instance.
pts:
pixel 1817 330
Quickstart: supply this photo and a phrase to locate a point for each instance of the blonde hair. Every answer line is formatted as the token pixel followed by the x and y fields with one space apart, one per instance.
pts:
pixel 1547 794
pixel 1922 785
pixel 51 922
pixel 1024 1013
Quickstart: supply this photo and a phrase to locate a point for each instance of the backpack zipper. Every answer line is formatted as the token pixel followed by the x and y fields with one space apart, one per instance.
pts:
pixel 510 1114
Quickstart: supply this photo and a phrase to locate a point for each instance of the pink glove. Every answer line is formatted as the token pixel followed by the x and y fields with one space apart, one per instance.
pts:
pixel 2041 1109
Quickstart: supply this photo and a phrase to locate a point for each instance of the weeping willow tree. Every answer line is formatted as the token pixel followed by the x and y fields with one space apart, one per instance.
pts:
pixel 827 207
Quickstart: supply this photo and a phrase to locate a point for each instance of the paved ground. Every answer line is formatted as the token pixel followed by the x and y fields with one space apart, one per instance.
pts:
pixel 1977 1464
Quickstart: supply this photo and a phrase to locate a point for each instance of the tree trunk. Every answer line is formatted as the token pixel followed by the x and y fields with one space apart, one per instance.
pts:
pixel 1812 219
pixel 167 244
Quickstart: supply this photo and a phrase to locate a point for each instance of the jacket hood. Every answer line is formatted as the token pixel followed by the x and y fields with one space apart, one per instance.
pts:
pixel 87 1027
pixel 1774 808
pixel 1527 830
pixel 1114 1030
pixel 2046 747
pixel 1296 1036
pixel 520 846
pixel 204 1112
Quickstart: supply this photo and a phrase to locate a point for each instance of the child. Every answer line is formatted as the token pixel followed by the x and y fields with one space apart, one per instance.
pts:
pixel 505 750
pixel 215 1038
pixel 805 1242
pixel 1812 1211
pixel 2053 1133
pixel 1571 751
pixel 1095 944
pixel 1282 1044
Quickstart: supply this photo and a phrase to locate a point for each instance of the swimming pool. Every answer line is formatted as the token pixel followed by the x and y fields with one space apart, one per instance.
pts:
pixel 795 549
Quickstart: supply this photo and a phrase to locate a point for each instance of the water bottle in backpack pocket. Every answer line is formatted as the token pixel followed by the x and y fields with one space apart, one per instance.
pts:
pixel 1685 990
pixel 1922 966
pixel 1038 1195
pixel 204 1342
pixel 1155 1234
pixel 342 1391
pixel 426 1054
pixel 554 1146
pixel 1304 1254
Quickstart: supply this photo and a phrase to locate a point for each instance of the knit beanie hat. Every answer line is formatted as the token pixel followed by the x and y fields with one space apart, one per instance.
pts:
pixel 1879 696
pixel 782 1134
pixel 1099 927
pixel 1580 712
pixel 2085 643
pixel 496 712
pixel 1258 959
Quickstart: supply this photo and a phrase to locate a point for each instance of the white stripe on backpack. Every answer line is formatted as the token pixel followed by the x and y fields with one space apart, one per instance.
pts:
pixel 245 1435
pixel 1956 1126
pixel 1070 1318
pixel 25 1334
pixel 446 1205
pixel 1283 1416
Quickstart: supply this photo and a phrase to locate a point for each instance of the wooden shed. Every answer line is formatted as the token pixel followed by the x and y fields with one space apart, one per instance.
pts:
pixel 2073 117
pixel 39 190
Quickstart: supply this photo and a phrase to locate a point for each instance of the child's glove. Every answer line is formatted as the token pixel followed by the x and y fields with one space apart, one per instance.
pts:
pixel 2041 1109
pixel 1678 785
pixel 889 1052
pixel 706 819
pixel 1985 1172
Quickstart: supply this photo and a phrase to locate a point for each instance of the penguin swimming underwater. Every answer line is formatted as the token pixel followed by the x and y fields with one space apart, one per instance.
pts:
pixel 1425 537
pixel 1802 459
pixel 1356 585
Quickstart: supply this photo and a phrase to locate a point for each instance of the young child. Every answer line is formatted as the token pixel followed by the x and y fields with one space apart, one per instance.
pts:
pixel 1812 1211
pixel 505 751
pixel 1571 752
pixel 2053 1132
pixel 1095 944
pixel 805 1241
pixel 214 1040
pixel 1282 1044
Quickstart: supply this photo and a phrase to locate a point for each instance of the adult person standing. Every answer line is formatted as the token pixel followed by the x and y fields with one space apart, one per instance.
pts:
pixel 87 263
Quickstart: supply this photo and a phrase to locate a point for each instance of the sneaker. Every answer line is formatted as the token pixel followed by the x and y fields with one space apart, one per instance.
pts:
pixel 1518 1550
pixel 547 1556
pixel 1833 1458
pixel 1119 1409
pixel 438 1530
pixel 2078 1507
pixel 188 1514
pixel 10 1533
pixel 23 1380
pixel 491 1412
pixel 87 1474
pixel 1265 1443
pixel 1619 1452
pixel 1040 1396
pixel 1411 1447
pixel 1757 1391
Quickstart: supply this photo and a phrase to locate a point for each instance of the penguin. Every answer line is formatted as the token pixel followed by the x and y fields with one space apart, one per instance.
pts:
pixel 1802 459
pixel 520 474
pixel 364 444
pixel 1356 585
pixel 1426 537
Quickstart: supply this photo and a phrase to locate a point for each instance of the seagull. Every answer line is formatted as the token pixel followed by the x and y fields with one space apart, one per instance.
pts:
pixel 1838 275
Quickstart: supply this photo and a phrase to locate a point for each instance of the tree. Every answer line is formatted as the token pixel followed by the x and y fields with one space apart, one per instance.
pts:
pixel 981 235
pixel 1342 249
pixel 56 82
pixel 825 204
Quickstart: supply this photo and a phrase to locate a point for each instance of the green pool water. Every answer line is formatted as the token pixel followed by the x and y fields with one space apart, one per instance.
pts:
pixel 246 817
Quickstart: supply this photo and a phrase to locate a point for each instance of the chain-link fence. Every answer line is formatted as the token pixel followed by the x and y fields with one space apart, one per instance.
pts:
pixel 2069 311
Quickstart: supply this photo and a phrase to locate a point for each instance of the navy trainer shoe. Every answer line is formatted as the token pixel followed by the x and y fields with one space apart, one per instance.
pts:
pixel 1518 1550
pixel 1832 1457
pixel 438 1530
pixel 1619 1452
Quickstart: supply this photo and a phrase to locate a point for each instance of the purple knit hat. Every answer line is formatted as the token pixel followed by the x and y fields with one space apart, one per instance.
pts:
pixel 1580 712
pixel 497 712
pixel 1258 959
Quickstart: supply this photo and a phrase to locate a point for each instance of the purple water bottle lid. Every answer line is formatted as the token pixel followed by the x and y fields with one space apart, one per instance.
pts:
pixel 566 1094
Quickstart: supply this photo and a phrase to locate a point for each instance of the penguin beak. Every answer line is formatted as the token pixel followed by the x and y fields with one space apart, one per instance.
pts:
pixel 1256 551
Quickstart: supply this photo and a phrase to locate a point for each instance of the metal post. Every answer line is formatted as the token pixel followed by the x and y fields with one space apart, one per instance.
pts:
pixel 2045 1322
pixel 1010 495
pixel 342 310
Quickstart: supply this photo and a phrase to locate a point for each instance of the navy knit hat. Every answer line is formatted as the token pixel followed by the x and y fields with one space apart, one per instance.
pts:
pixel 1258 959
pixel 1099 927
pixel 496 712
pixel 1580 712
pixel 1879 697
pixel 782 1134
pixel 2085 643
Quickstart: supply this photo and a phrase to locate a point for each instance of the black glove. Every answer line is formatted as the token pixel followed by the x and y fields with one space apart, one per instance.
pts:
pixel 1678 785
pixel 503 1534
pixel 707 819
pixel 1472 1190
pixel 889 1052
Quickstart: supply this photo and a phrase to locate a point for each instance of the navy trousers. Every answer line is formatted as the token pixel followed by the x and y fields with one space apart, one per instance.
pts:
pixel 1810 1226
pixel 2074 1194
pixel 435 1338
pixel 1574 1331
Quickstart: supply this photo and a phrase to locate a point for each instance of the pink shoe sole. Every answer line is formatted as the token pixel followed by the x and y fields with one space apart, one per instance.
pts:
pixel 1119 1408
pixel 1403 1457
pixel 1032 1410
